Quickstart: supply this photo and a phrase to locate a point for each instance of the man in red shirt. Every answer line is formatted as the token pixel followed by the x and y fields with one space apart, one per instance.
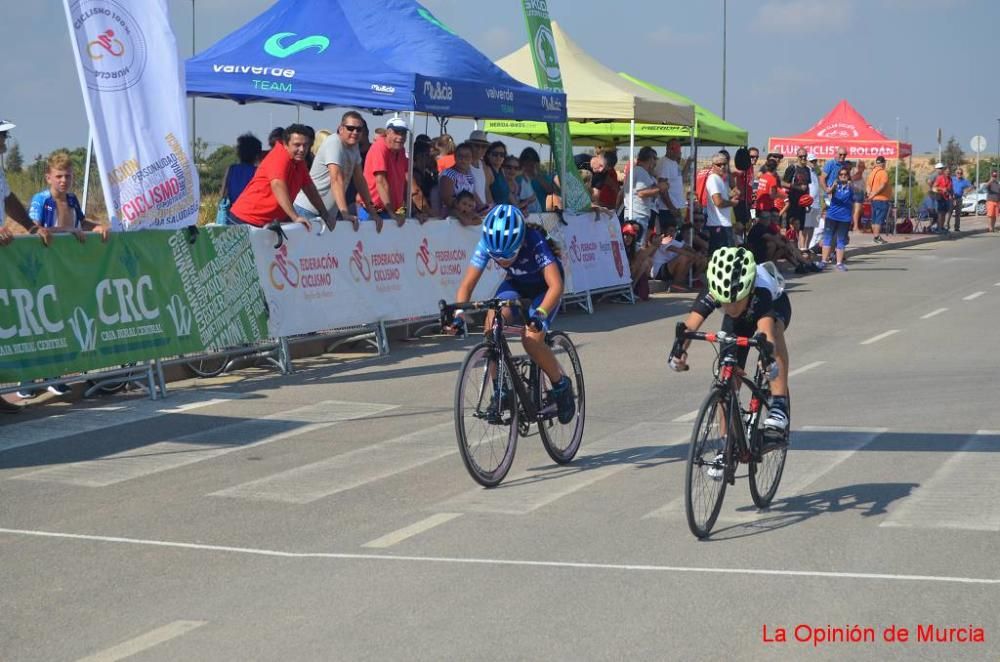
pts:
pixel 279 178
pixel 608 187
pixel 386 168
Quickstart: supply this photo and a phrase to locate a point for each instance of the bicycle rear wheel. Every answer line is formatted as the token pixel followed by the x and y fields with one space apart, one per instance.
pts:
pixel 768 461
pixel 705 480
pixel 563 441
pixel 209 367
pixel 486 416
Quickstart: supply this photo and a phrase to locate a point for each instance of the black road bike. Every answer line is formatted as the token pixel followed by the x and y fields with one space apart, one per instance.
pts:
pixel 499 396
pixel 729 430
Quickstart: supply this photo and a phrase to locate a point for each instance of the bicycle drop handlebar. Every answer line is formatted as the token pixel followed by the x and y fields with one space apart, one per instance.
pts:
pixel 759 340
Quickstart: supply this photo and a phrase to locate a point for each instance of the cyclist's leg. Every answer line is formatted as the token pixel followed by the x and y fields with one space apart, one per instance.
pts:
pixel 534 343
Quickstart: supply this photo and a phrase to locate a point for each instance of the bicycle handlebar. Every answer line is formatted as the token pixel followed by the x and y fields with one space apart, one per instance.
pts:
pixel 763 345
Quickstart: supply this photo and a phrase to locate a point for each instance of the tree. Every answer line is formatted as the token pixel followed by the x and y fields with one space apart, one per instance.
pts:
pixel 212 169
pixel 15 160
pixel 952 154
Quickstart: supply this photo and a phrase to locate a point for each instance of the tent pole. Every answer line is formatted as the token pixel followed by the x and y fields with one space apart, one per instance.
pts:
pixel 631 171
pixel 895 189
pixel 694 167
pixel 409 151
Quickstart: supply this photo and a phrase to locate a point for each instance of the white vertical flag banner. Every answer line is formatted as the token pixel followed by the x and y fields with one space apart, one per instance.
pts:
pixel 134 92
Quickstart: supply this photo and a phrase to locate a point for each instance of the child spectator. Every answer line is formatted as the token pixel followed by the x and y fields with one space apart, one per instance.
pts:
pixel 238 175
pixel 673 261
pixel 446 151
pixel 463 208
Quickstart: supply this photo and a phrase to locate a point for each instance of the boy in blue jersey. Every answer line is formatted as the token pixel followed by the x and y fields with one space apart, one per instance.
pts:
pixel 57 208
pixel 533 272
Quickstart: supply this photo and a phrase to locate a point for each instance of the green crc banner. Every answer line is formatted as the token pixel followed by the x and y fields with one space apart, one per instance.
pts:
pixel 75 307
pixel 543 53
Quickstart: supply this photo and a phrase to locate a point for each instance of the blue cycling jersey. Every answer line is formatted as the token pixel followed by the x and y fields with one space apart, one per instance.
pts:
pixel 42 209
pixel 526 270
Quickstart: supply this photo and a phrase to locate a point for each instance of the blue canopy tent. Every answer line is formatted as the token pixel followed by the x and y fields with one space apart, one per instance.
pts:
pixel 388 55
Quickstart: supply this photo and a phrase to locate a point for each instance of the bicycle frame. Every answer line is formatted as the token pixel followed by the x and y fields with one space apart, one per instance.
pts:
pixel 507 363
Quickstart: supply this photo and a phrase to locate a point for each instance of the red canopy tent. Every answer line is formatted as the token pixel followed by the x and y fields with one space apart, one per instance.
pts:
pixel 842 127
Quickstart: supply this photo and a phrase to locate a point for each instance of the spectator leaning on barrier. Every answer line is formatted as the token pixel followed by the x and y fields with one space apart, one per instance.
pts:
pixel 993 200
pixel 541 183
pixel 337 162
pixel 878 190
pixel 719 220
pixel 426 194
pixel 479 143
pixel 959 184
pixel 672 202
pixel 57 208
pixel 463 207
pixel 10 202
pixel 386 172
pixel 278 180
pixel 238 175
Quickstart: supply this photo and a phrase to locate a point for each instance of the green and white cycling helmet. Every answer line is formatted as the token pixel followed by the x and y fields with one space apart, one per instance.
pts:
pixel 731 274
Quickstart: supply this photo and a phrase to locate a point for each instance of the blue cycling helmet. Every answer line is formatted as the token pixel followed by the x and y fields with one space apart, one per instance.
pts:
pixel 503 231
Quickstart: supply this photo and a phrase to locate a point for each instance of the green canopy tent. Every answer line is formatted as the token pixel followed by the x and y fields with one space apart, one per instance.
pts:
pixel 709 129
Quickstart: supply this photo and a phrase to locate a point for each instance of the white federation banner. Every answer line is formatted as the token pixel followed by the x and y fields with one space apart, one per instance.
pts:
pixel 593 252
pixel 133 90
pixel 327 280
pixel 344 278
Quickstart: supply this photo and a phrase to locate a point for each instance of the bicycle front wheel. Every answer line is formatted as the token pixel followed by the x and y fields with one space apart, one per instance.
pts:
pixel 768 462
pixel 485 416
pixel 563 441
pixel 705 480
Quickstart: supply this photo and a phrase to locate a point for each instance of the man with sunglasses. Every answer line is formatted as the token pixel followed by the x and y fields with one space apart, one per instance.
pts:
pixel 386 171
pixel 11 204
pixel 338 162
pixel 797 178
pixel 832 167
pixel 959 185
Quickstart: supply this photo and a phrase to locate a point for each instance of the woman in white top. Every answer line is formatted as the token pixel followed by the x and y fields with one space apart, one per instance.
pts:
pixel 459 178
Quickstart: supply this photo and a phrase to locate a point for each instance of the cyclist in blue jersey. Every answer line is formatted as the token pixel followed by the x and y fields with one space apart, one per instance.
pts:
pixel 533 272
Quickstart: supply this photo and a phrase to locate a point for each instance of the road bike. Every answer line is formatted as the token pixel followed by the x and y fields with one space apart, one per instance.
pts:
pixel 729 430
pixel 499 396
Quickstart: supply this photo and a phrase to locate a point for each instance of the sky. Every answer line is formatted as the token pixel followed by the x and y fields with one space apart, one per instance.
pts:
pixel 789 62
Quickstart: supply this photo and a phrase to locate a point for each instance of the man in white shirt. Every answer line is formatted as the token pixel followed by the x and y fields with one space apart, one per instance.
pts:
pixel 645 191
pixel 479 144
pixel 719 223
pixel 672 203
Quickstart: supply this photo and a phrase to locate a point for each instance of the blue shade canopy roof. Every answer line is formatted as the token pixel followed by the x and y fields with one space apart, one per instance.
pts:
pixel 375 54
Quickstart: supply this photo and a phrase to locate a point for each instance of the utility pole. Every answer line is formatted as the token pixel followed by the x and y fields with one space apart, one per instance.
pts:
pixel 194 110
pixel 724 26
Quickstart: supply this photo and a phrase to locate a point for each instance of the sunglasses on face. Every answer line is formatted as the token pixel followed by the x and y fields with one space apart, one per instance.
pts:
pixel 842 154
pixel 353 128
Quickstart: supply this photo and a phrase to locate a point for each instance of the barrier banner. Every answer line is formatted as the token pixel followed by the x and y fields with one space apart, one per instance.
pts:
pixel 126 58
pixel 593 252
pixel 75 307
pixel 317 281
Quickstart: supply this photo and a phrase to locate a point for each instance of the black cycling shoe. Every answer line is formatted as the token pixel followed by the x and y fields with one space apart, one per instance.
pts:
pixel 562 394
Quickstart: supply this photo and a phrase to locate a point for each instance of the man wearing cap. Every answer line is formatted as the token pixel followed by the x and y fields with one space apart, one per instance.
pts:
pixel 386 172
pixel 11 204
pixel 993 200
pixel 480 144
pixel 877 191
pixel 959 184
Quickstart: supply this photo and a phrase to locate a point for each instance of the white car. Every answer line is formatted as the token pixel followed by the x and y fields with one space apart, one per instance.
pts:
pixel 974 202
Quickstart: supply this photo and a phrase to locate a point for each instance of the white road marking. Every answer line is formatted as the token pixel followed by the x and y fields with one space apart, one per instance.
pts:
pixel 390 539
pixel 526 490
pixel 963 493
pixel 803 466
pixel 996 284
pixel 346 471
pixel 808 366
pixel 89 419
pixel 144 642
pixel 613 567
pixel 974 295
pixel 203 445
pixel 881 336
pixel 933 313
pixel 686 418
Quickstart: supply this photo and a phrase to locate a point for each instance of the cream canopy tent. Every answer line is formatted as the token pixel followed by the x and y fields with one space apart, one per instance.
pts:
pixel 596 93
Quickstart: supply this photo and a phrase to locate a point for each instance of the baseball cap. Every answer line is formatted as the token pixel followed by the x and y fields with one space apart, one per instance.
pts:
pixel 810 157
pixel 478 136
pixel 6 125
pixel 397 124
pixel 880 159
pixel 938 165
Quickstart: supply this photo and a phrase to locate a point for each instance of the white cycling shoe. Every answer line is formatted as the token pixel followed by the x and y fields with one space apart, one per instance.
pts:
pixel 716 470
pixel 776 421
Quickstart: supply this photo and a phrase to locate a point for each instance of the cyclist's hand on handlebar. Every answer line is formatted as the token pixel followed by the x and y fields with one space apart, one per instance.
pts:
pixel 538 323
pixel 456 327
pixel 678 362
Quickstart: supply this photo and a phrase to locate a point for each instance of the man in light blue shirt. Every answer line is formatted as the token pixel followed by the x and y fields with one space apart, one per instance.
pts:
pixel 959 184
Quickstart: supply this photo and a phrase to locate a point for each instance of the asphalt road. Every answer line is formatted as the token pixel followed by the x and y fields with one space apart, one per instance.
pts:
pixel 327 515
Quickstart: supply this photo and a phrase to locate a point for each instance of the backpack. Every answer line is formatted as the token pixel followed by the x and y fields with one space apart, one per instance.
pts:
pixel 701 187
